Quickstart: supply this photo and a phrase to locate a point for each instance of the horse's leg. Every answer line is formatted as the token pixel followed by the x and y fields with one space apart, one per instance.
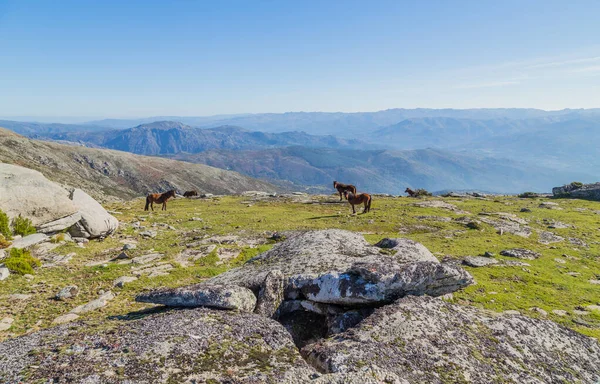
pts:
pixel 353 210
pixel 152 205
pixel 340 195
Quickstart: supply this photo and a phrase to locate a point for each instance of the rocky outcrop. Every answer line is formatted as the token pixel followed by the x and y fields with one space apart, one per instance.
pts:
pixel 520 253
pixel 203 295
pixel 574 190
pixel 426 340
pixel 180 346
pixel 356 272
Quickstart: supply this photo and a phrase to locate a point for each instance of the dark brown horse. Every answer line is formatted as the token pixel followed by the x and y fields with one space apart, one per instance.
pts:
pixel 190 193
pixel 410 192
pixel 341 188
pixel 159 198
pixel 363 198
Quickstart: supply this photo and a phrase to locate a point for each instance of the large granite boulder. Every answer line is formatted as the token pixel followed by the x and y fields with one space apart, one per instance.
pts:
pixel 427 340
pixel 28 193
pixel 51 207
pixel 179 346
pixel 95 221
pixel 339 267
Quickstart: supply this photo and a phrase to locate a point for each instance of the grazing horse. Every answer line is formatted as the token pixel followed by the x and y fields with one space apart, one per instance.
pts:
pixel 363 198
pixel 410 192
pixel 190 193
pixel 341 188
pixel 159 198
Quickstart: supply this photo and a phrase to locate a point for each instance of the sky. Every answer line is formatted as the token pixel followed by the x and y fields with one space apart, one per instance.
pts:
pixel 99 59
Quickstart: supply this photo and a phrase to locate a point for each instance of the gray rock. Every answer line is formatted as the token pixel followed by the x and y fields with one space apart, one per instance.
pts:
pixel 479 261
pixel 440 204
pixel 202 295
pixel 188 256
pixel 539 310
pixel 407 250
pixel 183 346
pixel 67 293
pixel 67 318
pixel 6 323
pixel 121 281
pixel 100 302
pixel 95 221
pixel 159 269
pixel 29 241
pixel 270 294
pixel 595 282
pixel 145 259
pixel 19 297
pixel 521 253
pixel 60 224
pixel 129 246
pixel 425 340
pixel 578 242
pixel 549 205
pixel 4 272
pixel 560 312
pixel 151 234
pixel 545 237
pixel 20 191
pixel 505 225
pixel 525 210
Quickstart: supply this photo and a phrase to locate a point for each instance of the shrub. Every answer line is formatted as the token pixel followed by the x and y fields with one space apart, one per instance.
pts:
pixel 21 262
pixel 576 185
pixel 58 238
pixel 3 242
pixel 4 227
pixel 22 226
pixel 528 195
pixel 422 192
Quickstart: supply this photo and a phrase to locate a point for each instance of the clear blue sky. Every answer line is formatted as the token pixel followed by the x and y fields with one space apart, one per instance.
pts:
pixel 147 58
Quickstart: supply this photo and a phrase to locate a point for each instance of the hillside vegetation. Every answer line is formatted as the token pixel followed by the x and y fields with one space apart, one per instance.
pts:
pixel 559 285
pixel 107 174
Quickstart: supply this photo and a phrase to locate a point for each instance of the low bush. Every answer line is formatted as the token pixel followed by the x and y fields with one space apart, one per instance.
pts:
pixel 422 193
pixel 528 195
pixel 21 262
pixel 4 226
pixel 3 242
pixel 576 185
pixel 22 226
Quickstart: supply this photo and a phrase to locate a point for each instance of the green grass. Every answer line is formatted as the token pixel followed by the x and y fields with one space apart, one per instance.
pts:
pixel 545 283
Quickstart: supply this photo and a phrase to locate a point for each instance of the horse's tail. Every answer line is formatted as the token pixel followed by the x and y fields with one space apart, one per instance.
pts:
pixel 369 203
pixel 147 203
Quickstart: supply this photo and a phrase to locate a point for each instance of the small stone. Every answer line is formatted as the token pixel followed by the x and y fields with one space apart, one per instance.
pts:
pixel 488 254
pixel 196 219
pixel 129 246
pixel 121 256
pixel 595 308
pixel 100 302
pixel 19 297
pixel 520 253
pixel 580 312
pixel 27 276
pixel 597 282
pixel 6 323
pixel 65 318
pixel 150 234
pixel 525 210
pixel 560 312
pixel 479 261
pixel 539 310
pixel 121 281
pixel 67 293
pixel 560 261
pixel 511 312
pixel 574 274
pixel 4 273
pixel 145 259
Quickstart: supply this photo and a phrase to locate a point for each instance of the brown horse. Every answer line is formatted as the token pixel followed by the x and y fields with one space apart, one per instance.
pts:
pixel 341 188
pixel 190 193
pixel 363 198
pixel 410 192
pixel 159 198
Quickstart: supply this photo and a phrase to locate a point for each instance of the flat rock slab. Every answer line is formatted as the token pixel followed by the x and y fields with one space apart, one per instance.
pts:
pixel 67 318
pixel 427 340
pixel 179 346
pixel 145 259
pixel 188 256
pixel 202 295
pixel 100 302
pixel 508 226
pixel 520 253
pixel 29 241
pixel 121 281
pixel 546 237
pixel 6 323
pixel 4 273
pixel 479 261
pixel 442 205
pixel 160 269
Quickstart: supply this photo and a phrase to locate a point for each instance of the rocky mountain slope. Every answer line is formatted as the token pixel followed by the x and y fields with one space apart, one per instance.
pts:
pixel 384 171
pixel 169 137
pixel 106 173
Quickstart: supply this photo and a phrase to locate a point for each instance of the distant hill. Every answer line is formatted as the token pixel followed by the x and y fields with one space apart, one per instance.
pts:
pixel 169 137
pixel 107 174
pixel 385 171
pixel 34 129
